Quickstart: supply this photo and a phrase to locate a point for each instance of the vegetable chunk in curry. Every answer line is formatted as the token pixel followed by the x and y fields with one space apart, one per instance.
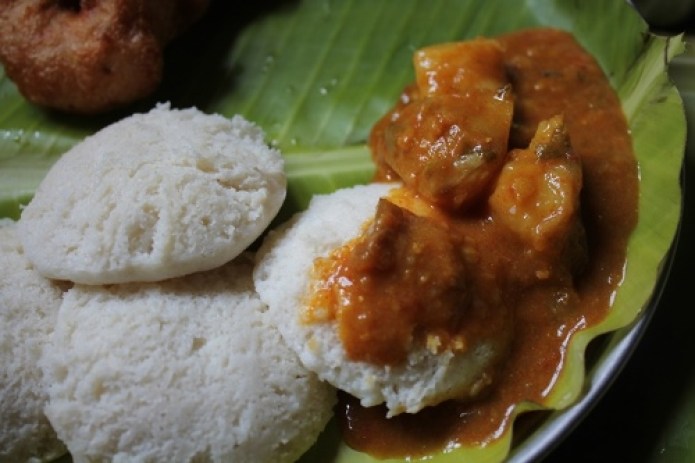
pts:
pixel 409 294
pixel 447 137
pixel 519 191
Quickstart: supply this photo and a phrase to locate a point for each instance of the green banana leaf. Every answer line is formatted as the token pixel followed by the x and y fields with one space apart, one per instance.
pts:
pixel 316 74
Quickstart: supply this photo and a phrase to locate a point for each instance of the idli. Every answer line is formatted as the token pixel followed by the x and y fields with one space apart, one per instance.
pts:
pixel 28 309
pixel 283 277
pixel 154 196
pixel 184 370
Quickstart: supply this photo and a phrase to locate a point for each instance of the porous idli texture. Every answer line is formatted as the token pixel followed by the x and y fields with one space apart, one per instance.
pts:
pixel 184 370
pixel 283 276
pixel 154 196
pixel 28 309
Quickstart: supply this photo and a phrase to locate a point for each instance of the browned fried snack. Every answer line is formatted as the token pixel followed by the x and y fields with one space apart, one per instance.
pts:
pixel 89 56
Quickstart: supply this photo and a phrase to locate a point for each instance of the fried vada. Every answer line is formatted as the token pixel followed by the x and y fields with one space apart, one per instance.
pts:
pixel 89 56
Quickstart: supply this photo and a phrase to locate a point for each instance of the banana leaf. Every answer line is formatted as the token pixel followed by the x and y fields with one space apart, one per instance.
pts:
pixel 316 74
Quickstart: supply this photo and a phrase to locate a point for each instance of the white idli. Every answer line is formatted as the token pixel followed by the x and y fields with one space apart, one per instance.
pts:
pixel 184 370
pixel 28 308
pixel 154 196
pixel 282 278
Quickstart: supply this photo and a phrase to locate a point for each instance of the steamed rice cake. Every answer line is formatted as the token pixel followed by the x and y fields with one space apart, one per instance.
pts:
pixel 154 196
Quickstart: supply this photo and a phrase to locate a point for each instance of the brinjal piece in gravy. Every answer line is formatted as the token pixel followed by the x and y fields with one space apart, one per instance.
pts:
pixel 447 137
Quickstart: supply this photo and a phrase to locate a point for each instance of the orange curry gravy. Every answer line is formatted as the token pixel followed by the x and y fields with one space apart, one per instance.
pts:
pixel 554 124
